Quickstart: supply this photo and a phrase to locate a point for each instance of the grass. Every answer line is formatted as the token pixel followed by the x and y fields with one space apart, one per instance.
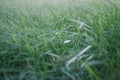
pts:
pixel 39 38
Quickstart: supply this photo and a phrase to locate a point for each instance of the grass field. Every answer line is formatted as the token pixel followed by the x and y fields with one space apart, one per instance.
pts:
pixel 59 40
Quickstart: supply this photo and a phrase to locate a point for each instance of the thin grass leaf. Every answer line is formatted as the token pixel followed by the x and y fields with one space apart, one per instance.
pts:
pixel 67 41
pixel 54 55
pixel 91 63
pixel 73 59
pixel 81 25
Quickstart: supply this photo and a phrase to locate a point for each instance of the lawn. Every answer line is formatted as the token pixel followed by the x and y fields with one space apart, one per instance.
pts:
pixel 59 39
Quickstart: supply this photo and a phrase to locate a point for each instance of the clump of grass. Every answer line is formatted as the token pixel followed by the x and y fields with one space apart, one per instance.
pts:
pixel 37 40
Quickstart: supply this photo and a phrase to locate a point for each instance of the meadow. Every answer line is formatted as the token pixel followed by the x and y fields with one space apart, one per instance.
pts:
pixel 59 39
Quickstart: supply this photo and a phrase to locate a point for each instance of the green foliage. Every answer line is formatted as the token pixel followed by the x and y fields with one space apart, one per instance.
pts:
pixel 38 39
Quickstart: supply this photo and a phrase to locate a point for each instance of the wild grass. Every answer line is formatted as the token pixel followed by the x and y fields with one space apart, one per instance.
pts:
pixel 59 40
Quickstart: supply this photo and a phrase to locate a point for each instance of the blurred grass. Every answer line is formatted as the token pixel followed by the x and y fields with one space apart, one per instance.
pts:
pixel 30 31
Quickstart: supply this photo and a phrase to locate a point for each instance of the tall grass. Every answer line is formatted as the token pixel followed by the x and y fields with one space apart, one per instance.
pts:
pixel 50 40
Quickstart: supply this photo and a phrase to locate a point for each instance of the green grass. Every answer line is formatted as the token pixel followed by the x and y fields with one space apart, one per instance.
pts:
pixel 34 35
